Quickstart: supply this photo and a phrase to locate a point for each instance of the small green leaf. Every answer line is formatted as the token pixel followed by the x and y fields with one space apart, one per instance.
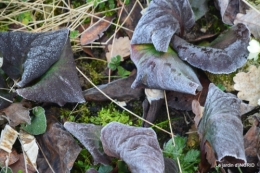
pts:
pixel 112 66
pixel 122 72
pixel 105 169
pixel 74 34
pixel 191 156
pixel 38 124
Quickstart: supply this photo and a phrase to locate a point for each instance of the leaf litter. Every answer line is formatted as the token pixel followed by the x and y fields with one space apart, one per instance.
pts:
pixel 183 19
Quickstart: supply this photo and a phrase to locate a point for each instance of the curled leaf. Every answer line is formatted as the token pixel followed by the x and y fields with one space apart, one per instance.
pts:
pixel 246 19
pixel 161 20
pixel 138 147
pixel 225 54
pixel 89 136
pixel 221 129
pixel 165 71
pixel 228 10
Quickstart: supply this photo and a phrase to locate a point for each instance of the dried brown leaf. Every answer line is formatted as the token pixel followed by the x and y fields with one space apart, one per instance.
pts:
pixel 95 31
pixel 17 114
pixel 14 157
pixel 120 47
pixel 248 85
pixel 19 165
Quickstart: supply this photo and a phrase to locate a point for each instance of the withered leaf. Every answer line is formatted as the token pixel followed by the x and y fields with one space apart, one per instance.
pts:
pixel 221 127
pixel 246 19
pixel 137 146
pixel 19 165
pixel 160 70
pixel 17 114
pixel 13 157
pixel 59 147
pixel 161 20
pixel 223 56
pixel 89 136
pixel 248 85
pixel 130 16
pixel 95 31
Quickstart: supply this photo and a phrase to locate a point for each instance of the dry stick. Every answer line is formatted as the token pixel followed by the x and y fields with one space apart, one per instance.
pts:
pixel 45 157
pixel 118 104
pixel 172 135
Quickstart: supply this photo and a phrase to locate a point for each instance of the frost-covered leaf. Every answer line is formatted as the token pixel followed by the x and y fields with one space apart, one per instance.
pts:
pixel 222 128
pixel 60 84
pixel 95 31
pixel 251 19
pixel 119 89
pixel 199 7
pixel 8 137
pixel 248 85
pixel 137 146
pixel 59 148
pixel 228 10
pixel 16 114
pixel 30 147
pixel 121 47
pixel 224 55
pixel 30 55
pixel 165 71
pixel 38 123
pixel 89 136
pixel 161 20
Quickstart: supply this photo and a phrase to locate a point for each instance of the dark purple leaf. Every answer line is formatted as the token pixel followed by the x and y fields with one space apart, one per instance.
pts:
pixel 89 136
pixel 151 110
pixel 59 84
pixel 170 166
pixel 165 71
pixel 221 128
pixel 118 89
pixel 137 146
pixel 224 55
pixel 228 10
pixel 4 93
pixel 59 147
pixel 199 8
pixel 30 54
pixel 161 20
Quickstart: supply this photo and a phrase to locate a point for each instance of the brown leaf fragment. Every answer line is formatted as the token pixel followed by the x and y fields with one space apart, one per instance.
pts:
pixel 130 16
pixel 95 31
pixel 251 143
pixel 119 89
pixel 248 85
pixel 19 165
pixel 14 157
pixel 59 147
pixel 17 114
